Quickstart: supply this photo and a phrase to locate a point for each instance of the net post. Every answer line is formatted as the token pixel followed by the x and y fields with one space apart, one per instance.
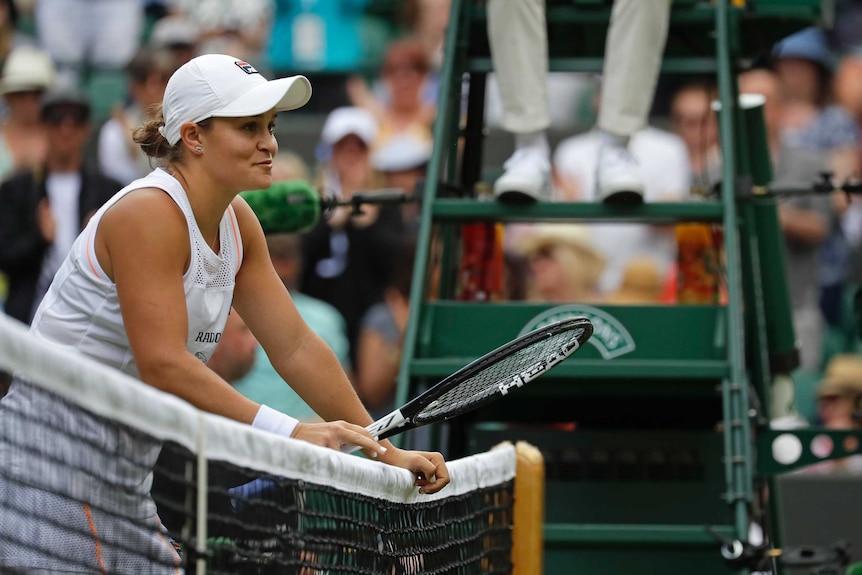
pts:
pixel 529 510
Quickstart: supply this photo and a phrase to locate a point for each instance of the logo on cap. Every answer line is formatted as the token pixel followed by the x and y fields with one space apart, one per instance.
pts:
pixel 246 67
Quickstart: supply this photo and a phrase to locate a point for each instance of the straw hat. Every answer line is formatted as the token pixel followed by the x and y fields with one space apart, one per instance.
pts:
pixel 641 282
pixel 27 68
pixel 843 376
pixel 546 237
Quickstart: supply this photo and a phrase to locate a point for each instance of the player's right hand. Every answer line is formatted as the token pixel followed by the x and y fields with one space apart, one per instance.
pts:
pixel 338 435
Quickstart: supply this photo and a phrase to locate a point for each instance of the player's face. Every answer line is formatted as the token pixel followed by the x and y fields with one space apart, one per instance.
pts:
pixel 239 151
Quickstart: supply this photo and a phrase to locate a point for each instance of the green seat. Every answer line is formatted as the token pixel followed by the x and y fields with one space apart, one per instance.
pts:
pixel 106 90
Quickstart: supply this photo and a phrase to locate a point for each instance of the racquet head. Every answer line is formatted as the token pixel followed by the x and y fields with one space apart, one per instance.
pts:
pixel 498 372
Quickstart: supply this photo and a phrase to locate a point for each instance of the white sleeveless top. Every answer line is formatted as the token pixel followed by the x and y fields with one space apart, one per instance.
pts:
pixel 81 312
pixel 81 309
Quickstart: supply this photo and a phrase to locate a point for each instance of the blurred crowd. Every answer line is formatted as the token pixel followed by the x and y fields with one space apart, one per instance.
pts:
pixel 78 75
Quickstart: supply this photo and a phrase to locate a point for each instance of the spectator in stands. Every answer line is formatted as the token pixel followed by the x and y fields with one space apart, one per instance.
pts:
pixel 348 258
pixel 811 121
pixel 263 384
pixel 693 119
pixel 837 396
pixel 44 208
pixel 148 287
pixel 517 32
pixel 847 86
pixel 642 283
pixel 403 162
pixel 344 152
pixel 838 390
pixel 564 264
pixel 178 35
pixel 27 73
pixel 427 20
pixel 118 155
pixel 663 164
pixel 400 107
pixel 805 220
pixel 238 27
pixel 381 337
pixel 85 38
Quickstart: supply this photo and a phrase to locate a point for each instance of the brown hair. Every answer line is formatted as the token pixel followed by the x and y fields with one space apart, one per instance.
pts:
pixel 406 51
pixel 148 61
pixel 153 143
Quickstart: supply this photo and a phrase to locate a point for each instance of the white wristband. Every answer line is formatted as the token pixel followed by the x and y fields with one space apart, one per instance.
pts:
pixel 274 421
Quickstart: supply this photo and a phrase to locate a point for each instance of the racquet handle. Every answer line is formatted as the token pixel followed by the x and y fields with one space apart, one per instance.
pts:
pixel 379 428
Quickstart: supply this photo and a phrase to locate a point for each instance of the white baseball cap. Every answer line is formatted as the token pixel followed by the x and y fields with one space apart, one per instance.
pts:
pixel 218 85
pixel 348 120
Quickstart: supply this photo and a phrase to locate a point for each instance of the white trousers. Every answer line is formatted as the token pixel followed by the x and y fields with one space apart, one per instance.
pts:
pixel 104 34
pixel 517 33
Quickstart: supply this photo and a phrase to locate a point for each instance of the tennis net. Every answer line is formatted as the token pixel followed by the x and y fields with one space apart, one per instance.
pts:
pixel 100 473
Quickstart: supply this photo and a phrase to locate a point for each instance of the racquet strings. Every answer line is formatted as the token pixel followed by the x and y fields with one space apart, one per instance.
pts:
pixel 484 383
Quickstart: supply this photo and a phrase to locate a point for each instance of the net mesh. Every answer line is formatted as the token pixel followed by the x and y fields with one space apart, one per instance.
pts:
pixel 100 473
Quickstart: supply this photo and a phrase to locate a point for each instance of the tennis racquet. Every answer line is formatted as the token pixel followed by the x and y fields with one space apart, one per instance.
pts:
pixel 489 377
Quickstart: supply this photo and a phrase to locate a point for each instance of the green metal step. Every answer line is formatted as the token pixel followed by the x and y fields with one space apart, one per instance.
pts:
pixel 664 212
pixel 595 65
pixel 595 534
pixel 664 338
pixel 575 368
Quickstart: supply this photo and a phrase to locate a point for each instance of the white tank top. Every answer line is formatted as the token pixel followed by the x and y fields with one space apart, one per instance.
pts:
pixel 81 309
pixel 81 312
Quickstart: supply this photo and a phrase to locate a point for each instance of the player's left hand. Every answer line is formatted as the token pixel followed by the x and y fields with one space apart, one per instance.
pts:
pixel 428 468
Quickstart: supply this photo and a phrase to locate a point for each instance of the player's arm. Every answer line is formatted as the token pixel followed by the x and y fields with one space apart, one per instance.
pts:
pixel 297 353
pixel 142 244
pixel 301 357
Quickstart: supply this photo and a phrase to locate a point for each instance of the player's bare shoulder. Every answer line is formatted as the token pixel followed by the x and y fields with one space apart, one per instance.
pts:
pixel 143 219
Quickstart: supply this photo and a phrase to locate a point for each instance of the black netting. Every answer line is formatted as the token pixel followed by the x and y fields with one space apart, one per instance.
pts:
pixel 89 487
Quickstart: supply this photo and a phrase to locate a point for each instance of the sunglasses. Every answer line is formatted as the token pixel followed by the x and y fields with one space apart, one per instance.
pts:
pixel 58 115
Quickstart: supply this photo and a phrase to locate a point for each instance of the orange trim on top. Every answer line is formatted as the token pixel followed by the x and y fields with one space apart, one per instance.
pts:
pixel 89 260
pixel 235 226
pixel 169 545
pixel 92 526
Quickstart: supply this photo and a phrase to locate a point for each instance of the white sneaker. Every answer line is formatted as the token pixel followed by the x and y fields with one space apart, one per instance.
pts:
pixel 618 178
pixel 526 178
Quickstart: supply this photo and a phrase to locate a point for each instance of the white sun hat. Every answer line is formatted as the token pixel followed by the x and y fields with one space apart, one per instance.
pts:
pixel 218 85
pixel 27 68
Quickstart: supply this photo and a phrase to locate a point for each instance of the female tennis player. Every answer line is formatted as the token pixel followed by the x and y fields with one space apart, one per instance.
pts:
pixel 150 281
